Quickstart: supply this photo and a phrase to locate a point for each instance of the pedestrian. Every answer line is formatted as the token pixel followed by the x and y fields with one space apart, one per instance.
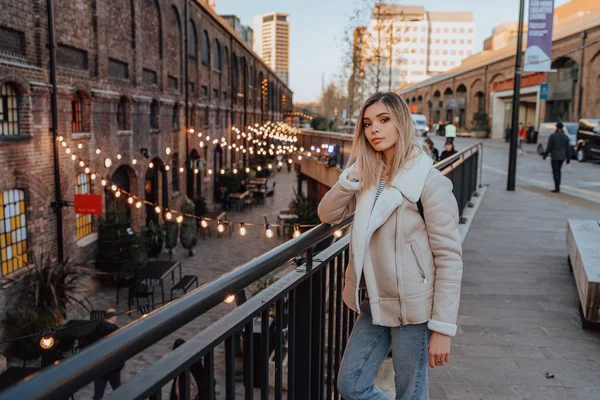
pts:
pixel 507 134
pixel 449 151
pixel 105 328
pixel 431 150
pixel 450 132
pixel 559 149
pixel 441 129
pixel 521 136
pixel 406 253
pixel 197 388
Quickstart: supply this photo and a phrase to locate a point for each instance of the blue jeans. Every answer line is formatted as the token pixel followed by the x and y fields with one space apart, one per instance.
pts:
pixel 368 347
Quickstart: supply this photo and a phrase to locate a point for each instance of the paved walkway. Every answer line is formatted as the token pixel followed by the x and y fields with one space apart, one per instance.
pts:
pixel 519 317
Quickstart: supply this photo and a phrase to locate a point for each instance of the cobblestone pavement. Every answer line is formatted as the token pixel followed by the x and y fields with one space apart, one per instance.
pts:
pixel 214 257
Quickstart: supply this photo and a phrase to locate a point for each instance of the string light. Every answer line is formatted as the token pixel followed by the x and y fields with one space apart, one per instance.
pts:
pixel 134 161
pixel 168 216
pixel 180 219
pixel 268 231
pixel 93 176
pixel 235 171
pixel 60 138
pixel 230 299
pixel 167 168
pixel 338 233
pixel 195 170
pixel 87 170
pixel 68 151
pixel 203 223
pixel 247 170
pixel 113 188
pixel 181 170
pixel 138 204
pixel 64 144
pixel 47 340
pixel 107 162
pixel 80 146
pixel 242 229
pixel 157 209
pixel 151 165
pixel 168 150
pixel 103 182
pixel 220 227
pixel 210 171
pixel 296 231
pixel 130 200
pixel 97 151
pixel 118 194
pixel 119 156
pixel 73 157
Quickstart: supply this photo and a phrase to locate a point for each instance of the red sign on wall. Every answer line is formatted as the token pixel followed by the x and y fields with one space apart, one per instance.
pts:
pixel 88 204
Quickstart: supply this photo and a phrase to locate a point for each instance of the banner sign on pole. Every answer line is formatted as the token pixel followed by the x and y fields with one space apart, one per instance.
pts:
pixel 538 56
pixel 544 91
pixel 88 204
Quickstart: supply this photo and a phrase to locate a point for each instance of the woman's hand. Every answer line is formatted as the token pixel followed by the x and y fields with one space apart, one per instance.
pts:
pixel 355 174
pixel 439 349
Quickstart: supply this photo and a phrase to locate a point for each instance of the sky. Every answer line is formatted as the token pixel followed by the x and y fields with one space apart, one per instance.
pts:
pixel 317 31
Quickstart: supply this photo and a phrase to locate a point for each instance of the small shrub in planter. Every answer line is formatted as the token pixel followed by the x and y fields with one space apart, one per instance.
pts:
pixel 171 235
pixel 154 235
pixel 480 125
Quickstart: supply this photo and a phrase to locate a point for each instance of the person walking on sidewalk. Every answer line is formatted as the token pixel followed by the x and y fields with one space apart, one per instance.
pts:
pixel 559 149
pixel 450 132
pixel 405 249
pixel 105 328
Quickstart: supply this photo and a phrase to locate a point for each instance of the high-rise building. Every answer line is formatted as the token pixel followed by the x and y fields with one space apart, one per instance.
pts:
pixel 245 32
pixel 405 44
pixel 272 42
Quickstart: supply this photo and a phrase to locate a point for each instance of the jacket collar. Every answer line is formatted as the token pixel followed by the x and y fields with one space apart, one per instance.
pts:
pixel 411 180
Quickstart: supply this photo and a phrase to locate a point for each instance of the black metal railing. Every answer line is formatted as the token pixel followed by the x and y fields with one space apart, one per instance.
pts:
pixel 300 319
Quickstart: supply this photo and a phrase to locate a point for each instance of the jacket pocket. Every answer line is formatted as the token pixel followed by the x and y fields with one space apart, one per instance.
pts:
pixel 415 251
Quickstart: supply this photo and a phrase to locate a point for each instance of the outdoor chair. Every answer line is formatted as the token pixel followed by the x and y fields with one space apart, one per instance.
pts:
pixel 140 290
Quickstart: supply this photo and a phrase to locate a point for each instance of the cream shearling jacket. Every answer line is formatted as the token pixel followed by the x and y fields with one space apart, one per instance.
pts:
pixel 412 266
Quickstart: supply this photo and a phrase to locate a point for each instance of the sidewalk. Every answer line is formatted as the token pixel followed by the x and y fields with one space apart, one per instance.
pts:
pixel 519 317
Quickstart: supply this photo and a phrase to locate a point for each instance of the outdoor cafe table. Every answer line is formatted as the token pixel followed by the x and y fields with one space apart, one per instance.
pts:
pixel 258 182
pixel 238 198
pixel 157 271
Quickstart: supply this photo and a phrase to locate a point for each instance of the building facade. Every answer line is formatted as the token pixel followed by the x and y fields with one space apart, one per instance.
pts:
pixel 245 32
pixel 272 42
pixel 120 96
pixel 483 83
pixel 406 44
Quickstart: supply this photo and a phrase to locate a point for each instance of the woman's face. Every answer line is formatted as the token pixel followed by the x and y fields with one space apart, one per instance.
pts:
pixel 379 129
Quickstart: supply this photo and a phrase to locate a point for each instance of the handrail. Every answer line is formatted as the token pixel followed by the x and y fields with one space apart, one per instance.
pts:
pixel 63 379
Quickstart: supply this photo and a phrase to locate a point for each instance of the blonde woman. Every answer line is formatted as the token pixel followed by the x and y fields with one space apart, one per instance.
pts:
pixel 405 250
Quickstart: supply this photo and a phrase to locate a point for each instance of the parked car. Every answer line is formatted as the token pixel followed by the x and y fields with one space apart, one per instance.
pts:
pixel 587 146
pixel 420 123
pixel 548 128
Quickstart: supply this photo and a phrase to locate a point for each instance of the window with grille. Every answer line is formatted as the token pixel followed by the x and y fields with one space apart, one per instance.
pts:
pixel 9 111
pixel 13 231
pixel 83 185
pixel 76 113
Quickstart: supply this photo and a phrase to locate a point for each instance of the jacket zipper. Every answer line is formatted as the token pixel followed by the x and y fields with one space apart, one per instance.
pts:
pixel 412 247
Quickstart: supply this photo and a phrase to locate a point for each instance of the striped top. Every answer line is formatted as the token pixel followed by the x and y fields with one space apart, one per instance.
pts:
pixel 379 190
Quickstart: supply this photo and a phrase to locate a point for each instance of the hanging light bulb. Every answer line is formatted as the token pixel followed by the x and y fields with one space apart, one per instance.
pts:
pixel 138 204
pixel 289 161
pixel 207 138
pixel 60 138
pixel 87 170
pixel 220 227
pixel 81 163
pixel 107 162
pixel 247 170
pixel 300 158
pixel 167 168
pixel 73 157
pixel 210 171
pixel 268 231
pixel 235 171
pixel 130 200
pixel 157 209
pixel 97 151
pixel 80 146
pixel 222 171
pixel 168 216
pixel 270 166
pixel 64 144
pixel 168 150
pixel 134 161
pixel 242 229
pixel 338 233
pixel 192 130
pixel 230 299
pixel 203 223
pixel 47 340
pixel 103 182
pixel 151 165
pixel 296 231
pixel 68 151
pixel 195 170
pixel 118 194
pixel 179 219
pixel 259 168
pixel 119 156
pixel 114 188
pixel 181 170
pixel 201 144
pixel 308 154
pixel 93 176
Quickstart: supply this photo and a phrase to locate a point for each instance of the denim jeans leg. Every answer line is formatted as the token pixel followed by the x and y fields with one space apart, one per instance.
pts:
pixel 410 356
pixel 365 352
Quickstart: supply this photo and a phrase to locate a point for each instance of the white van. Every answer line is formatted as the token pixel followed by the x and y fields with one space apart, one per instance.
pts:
pixel 420 123
pixel 548 128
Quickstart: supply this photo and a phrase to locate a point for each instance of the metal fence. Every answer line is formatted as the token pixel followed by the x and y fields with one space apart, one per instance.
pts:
pixel 298 323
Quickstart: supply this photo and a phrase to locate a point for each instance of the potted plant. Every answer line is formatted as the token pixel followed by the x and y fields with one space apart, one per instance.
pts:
pixel 154 234
pixel 39 300
pixel 187 235
pixel 171 235
pixel 121 251
pixel 480 125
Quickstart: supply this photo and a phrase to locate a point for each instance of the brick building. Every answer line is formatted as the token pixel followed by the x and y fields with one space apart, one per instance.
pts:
pixel 484 82
pixel 120 89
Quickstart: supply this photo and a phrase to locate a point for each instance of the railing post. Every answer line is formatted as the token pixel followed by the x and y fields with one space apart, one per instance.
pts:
pixel 316 349
pixel 302 359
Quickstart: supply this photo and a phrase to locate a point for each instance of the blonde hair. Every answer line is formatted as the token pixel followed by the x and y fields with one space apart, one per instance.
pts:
pixel 370 160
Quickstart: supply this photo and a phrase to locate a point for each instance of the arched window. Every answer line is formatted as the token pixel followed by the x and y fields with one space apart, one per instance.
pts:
pixel 123 120
pixel 77 113
pixel 154 115
pixel 192 41
pixel 13 236
pixel 9 110
pixel 218 63
pixel 175 121
pixel 206 50
pixel 83 222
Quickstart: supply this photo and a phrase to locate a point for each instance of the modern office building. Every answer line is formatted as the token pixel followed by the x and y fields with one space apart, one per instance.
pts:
pixel 272 42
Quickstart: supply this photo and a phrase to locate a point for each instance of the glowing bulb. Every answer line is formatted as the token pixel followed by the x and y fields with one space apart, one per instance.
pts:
pixel 230 299
pixel 138 204
pixel 118 194
pixel 338 233
pixel 157 209
pixel 97 151
pixel 203 223
pixel 289 161
pixel 47 342
pixel 220 227
pixel 296 233
pixel 259 168
pixel 107 162
pixel 60 138
pixel 207 138
pixel 210 171
pixel 73 157
pixel 80 146
pixel 119 157
pixel 167 168
pixel 168 150
pixel 299 158
pixel 82 164
pixel 93 176
pixel 64 144
pixel 181 169
pixel 279 164
pixel 68 151
pixel 235 171
pixel 114 188
pixel 270 166
pixel 192 130
pixel 87 170
pixel 247 170
pixel 134 161
pixel 195 170
pixel 151 165
pixel 222 171
pixel 201 144
pixel 242 229
pixel 130 200
pixel 180 219
pixel 103 182
pixel 268 231
pixel 168 216
pixel 308 154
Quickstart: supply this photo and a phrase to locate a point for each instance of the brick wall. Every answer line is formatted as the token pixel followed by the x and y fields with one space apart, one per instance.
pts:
pixel 138 36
